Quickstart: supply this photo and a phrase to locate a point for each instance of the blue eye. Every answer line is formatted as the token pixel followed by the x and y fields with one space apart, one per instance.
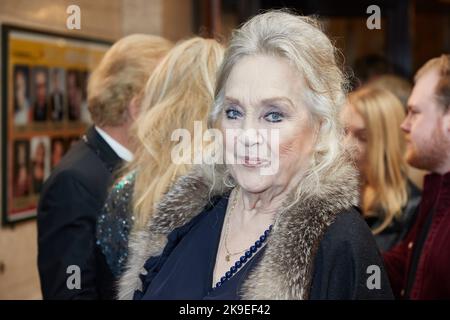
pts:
pixel 233 114
pixel 274 116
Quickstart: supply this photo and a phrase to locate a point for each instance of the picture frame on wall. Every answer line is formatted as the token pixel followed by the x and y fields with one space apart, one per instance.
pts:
pixel 44 109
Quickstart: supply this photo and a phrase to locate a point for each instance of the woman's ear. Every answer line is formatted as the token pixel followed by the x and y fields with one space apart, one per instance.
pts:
pixel 134 108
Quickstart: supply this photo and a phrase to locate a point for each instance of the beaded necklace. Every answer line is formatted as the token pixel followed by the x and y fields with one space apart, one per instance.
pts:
pixel 249 253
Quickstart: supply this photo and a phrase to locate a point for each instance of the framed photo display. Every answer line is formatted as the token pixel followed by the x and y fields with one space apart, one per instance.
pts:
pixel 44 109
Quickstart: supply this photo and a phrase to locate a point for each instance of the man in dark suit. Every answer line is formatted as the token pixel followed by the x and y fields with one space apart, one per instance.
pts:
pixel 70 264
pixel 67 214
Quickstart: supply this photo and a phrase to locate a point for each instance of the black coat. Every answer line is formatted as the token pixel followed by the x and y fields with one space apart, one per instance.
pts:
pixel 319 247
pixel 400 226
pixel 70 202
pixel 184 270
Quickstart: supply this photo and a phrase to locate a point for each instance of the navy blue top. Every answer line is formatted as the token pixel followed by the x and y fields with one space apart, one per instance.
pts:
pixel 184 270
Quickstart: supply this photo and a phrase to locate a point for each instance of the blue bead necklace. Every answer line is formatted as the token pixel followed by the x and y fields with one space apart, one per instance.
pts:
pixel 245 257
pixel 248 253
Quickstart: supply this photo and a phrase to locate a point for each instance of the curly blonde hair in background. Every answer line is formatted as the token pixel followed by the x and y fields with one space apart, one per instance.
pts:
pixel 385 188
pixel 179 92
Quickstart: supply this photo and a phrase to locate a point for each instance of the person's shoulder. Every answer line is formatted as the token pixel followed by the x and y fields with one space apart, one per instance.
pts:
pixel 215 204
pixel 66 183
pixel 350 220
pixel 124 184
pixel 80 157
pixel 344 259
pixel 79 170
pixel 80 165
pixel 74 189
pixel 349 228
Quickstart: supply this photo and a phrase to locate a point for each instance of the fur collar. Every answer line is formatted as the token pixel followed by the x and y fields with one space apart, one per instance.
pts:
pixel 286 269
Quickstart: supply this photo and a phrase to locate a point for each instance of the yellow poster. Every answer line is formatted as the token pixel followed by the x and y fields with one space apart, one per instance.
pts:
pixel 44 109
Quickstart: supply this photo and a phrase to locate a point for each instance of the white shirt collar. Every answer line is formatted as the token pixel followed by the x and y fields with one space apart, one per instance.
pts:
pixel 119 149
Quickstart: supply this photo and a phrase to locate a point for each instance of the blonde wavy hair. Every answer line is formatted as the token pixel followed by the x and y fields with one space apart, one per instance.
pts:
pixel 397 85
pixel 179 92
pixel 385 185
pixel 121 76
pixel 301 41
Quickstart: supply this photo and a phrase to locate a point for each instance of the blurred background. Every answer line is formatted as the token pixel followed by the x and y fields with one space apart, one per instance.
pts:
pixel 412 31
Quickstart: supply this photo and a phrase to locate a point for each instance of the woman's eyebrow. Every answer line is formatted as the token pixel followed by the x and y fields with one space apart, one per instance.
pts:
pixel 232 100
pixel 285 100
pixel 264 101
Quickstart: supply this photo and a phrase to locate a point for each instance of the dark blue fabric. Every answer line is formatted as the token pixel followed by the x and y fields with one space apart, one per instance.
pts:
pixel 185 268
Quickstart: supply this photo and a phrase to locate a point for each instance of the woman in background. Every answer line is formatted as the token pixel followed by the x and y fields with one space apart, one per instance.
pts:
pixel 38 167
pixel 179 92
pixel 57 152
pixel 21 102
pixel 372 119
pixel 22 175
pixel 401 88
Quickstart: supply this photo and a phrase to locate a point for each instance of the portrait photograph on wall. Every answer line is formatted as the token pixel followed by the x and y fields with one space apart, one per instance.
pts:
pixel 44 109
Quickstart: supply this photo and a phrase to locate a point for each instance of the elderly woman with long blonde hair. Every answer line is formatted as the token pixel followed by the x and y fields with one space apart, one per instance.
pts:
pixel 372 119
pixel 272 217
pixel 177 95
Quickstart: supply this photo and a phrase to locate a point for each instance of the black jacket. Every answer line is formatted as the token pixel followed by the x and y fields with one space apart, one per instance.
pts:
pixel 399 227
pixel 184 269
pixel 70 202
pixel 319 247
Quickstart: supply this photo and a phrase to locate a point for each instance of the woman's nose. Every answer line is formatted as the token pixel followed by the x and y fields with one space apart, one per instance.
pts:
pixel 347 139
pixel 250 137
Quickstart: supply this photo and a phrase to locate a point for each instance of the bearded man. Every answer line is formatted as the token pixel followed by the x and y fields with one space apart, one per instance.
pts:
pixel 418 267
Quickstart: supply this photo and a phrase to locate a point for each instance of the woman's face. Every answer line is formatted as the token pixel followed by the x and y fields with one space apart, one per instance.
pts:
pixel 262 102
pixel 21 88
pixel 58 152
pixel 355 136
pixel 20 84
pixel 40 153
pixel 41 89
